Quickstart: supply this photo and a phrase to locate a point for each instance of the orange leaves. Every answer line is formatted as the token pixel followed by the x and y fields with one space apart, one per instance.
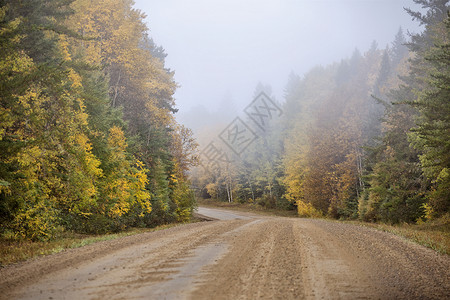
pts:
pixel 184 148
pixel 324 147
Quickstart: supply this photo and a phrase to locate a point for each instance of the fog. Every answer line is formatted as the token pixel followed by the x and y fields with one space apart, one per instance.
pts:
pixel 221 49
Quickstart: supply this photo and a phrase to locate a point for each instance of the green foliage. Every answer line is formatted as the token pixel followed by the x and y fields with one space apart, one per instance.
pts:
pixel 184 199
pixel 393 197
pixel 85 139
pixel 346 155
pixel 404 175
pixel 432 134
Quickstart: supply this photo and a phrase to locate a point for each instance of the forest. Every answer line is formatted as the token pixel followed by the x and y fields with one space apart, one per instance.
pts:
pixel 89 142
pixel 365 138
pixel 88 139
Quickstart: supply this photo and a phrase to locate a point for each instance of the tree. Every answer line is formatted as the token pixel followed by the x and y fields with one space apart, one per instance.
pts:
pixel 86 119
pixel 398 188
pixel 52 155
pixel 399 49
pixel 141 88
pixel 432 134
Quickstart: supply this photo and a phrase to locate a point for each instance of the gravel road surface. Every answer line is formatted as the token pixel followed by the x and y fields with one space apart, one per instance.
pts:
pixel 238 256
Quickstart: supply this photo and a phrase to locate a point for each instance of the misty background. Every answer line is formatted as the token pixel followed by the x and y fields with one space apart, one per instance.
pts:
pixel 91 140
pixel 221 49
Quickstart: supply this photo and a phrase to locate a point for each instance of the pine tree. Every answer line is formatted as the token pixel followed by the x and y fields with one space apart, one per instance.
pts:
pixel 398 188
pixel 384 73
pixel 52 155
pixel 399 49
pixel 432 134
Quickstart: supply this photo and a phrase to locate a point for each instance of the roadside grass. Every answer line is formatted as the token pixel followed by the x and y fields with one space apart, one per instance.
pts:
pixel 432 234
pixel 14 250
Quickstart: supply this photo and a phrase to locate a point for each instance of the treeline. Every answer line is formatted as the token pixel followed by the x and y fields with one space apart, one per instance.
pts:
pixel 88 141
pixel 368 137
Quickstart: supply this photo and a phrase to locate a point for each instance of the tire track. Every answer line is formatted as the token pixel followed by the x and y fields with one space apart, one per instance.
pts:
pixel 241 257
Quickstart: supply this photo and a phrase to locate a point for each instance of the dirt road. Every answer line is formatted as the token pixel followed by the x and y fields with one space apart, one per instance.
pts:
pixel 238 256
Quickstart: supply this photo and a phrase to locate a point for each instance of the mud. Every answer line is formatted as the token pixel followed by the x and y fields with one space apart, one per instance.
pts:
pixel 238 256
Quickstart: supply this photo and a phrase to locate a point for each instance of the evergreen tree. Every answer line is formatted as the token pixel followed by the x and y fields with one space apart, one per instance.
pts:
pixel 398 188
pixel 384 74
pixel 399 49
pixel 86 120
pixel 53 155
pixel 432 133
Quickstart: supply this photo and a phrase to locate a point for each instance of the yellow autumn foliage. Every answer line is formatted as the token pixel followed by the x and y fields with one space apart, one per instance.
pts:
pixel 305 209
pixel 124 185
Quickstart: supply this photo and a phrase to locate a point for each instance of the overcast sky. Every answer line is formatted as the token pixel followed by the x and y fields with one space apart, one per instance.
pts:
pixel 224 47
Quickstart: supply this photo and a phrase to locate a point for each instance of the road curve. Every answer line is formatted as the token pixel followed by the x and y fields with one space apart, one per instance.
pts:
pixel 238 256
pixel 220 214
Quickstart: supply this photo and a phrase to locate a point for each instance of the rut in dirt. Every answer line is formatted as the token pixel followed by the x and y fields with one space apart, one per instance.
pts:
pixel 238 256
